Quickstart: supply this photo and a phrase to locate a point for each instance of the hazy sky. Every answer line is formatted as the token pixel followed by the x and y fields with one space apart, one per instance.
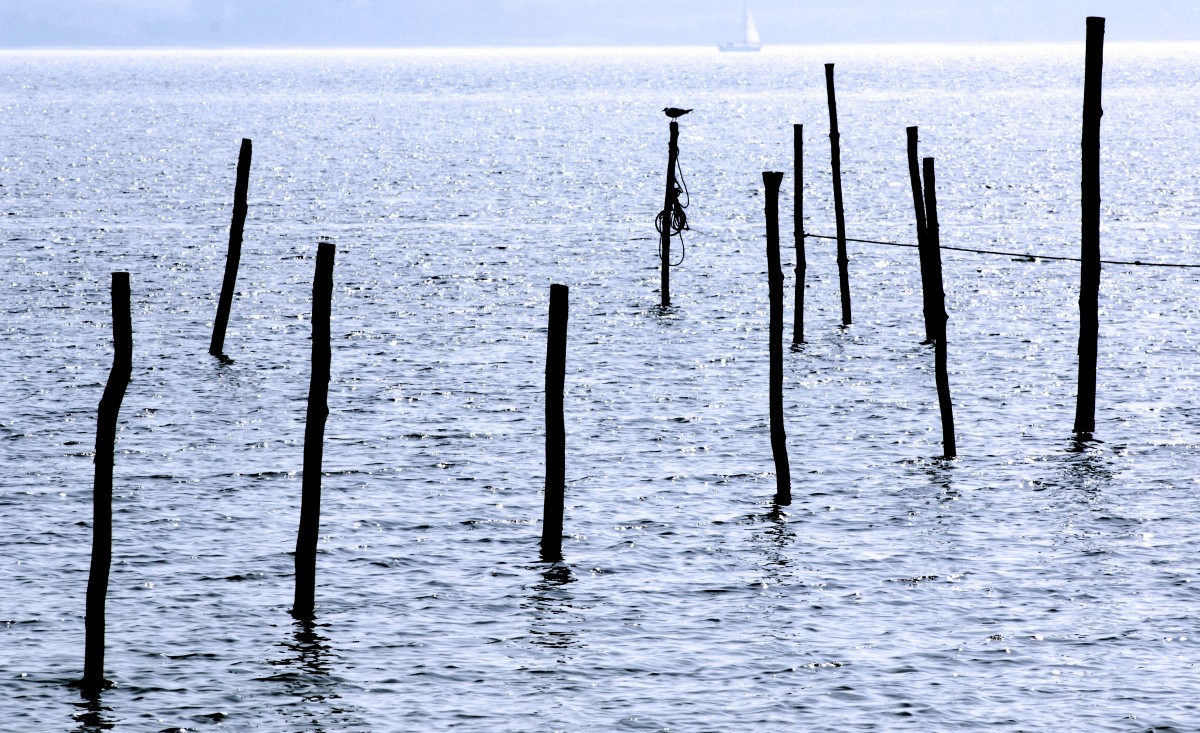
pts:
pixel 272 23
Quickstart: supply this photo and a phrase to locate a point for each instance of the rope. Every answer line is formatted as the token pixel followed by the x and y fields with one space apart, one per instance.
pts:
pixel 1009 254
pixel 678 216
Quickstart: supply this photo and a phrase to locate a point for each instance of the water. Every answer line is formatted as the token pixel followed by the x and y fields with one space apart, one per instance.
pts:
pixel 1032 583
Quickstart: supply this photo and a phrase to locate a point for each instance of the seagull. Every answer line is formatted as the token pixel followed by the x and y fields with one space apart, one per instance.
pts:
pixel 675 112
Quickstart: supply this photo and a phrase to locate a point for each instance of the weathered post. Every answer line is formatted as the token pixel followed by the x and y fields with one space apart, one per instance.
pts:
pixel 783 478
pixel 314 436
pixel 798 230
pixel 102 485
pixel 938 303
pixel 835 148
pixel 556 441
pixel 1089 285
pixel 668 215
pixel 923 247
pixel 216 346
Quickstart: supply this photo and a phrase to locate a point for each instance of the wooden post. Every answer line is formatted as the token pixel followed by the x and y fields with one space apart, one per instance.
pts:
pixel 798 230
pixel 314 436
pixel 216 346
pixel 556 441
pixel 668 214
pixel 835 147
pixel 938 303
pixel 783 478
pixel 102 485
pixel 1089 287
pixel 927 286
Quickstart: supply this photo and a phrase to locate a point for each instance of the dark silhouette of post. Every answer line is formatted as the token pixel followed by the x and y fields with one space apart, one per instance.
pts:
pixel 928 305
pixel 798 229
pixel 938 304
pixel 783 477
pixel 835 149
pixel 216 346
pixel 556 441
pixel 1089 285
pixel 668 215
pixel 314 436
pixel 102 485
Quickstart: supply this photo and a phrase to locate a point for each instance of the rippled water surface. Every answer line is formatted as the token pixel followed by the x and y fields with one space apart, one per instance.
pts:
pixel 1033 583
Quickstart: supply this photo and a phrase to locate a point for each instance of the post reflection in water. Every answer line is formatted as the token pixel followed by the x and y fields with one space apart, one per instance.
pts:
pixel 551 603
pixel 775 537
pixel 93 716
pixel 1085 466
pixel 939 472
pixel 306 677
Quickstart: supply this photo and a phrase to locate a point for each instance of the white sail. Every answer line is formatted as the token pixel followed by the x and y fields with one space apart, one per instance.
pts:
pixel 750 40
pixel 751 31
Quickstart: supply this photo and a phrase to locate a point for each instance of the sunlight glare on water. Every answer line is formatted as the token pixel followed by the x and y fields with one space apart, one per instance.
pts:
pixel 1036 582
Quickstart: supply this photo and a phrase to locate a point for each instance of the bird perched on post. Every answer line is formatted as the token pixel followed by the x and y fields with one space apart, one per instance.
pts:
pixel 675 112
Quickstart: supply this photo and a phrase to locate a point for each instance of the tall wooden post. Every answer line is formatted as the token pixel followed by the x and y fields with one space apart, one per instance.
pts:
pixel 1089 285
pixel 783 478
pixel 923 247
pixel 835 148
pixel 314 436
pixel 102 485
pixel 556 441
pixel 798 230
pixel 668 215
pixel 938 305
pixel 216 346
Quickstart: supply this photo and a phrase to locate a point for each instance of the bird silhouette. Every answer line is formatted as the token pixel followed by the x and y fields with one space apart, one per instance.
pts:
pixel 675 112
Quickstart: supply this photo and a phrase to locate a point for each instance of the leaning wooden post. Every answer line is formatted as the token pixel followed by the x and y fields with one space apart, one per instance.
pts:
pixel 783 477
pixel 938 303
pixel 835 148
pixel 216 346
pixel 556 441
pixel 102 485
pixel 314 436
pixel 1089 287
pixel 668 214
pixel 923 246
pixel 798 230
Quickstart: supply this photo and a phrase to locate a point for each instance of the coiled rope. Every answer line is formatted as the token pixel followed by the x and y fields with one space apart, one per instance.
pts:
pixel 678 216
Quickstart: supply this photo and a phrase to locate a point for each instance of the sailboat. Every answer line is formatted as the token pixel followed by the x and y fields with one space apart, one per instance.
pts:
pixel 750 40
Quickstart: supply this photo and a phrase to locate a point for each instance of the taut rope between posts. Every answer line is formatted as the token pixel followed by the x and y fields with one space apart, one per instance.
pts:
pixel 1026 255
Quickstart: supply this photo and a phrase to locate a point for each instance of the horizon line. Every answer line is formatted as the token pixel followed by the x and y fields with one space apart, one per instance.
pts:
pixel 584 47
